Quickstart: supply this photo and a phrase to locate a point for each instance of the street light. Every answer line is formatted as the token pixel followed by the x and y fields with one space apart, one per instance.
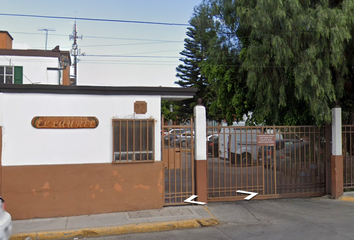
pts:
pixel 64 61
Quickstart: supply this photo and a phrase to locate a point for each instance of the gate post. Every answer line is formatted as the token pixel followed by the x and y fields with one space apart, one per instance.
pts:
pixel 200 155
pixel 337 157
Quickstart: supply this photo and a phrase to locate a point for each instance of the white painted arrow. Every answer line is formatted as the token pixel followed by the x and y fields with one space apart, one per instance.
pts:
pixel 189 200
pixel 252 194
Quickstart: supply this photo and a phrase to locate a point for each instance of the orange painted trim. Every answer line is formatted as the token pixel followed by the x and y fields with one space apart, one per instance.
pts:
pixel 66 76
pixel 43 191
pixel 201 180
pixel 337 176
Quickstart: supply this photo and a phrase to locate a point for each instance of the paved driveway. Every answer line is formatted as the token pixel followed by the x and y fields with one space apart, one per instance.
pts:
pixel 315 218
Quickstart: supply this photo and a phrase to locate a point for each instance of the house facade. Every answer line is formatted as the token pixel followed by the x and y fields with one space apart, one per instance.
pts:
pixel 101 154
pixel 18 66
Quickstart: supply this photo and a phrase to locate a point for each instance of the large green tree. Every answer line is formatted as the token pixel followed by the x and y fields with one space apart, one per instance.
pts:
pixel 222 68
pixel 295 57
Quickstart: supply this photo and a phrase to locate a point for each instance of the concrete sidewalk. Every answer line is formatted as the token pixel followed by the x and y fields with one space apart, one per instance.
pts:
pixel 168 218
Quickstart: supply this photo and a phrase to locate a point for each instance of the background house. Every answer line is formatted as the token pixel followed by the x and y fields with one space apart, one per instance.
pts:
pixel 18 66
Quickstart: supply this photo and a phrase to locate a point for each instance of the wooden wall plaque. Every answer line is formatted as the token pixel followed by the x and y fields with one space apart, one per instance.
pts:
pixel 140 107
pixel 64 122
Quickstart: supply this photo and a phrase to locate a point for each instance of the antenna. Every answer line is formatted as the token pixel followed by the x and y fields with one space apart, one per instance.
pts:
pixel 46 35
pixel 75 51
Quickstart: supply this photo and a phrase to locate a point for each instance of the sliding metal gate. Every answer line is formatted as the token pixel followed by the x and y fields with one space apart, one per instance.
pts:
pixel 348 156
pixel 178 160
pixel 244 158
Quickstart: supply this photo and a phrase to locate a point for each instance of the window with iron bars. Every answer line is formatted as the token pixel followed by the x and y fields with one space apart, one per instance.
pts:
pixel 133 140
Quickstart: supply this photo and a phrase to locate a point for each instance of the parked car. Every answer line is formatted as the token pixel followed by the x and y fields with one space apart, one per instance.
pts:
pixel 238 143
pixel 5 221
pixel 172 134
pixel 287 152
pixel 213 144
pixel 267 152
pixel 182 140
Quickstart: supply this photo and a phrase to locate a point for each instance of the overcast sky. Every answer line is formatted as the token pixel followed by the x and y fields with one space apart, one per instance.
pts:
pixel 157 46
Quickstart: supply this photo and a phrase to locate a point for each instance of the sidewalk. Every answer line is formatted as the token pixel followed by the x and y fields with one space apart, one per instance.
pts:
pixel 168 218
pixel 347 196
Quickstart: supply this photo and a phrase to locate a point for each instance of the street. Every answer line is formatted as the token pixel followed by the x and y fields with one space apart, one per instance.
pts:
pixel 313 218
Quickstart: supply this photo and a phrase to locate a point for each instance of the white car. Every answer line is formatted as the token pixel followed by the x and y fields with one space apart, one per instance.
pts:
pixel 5 222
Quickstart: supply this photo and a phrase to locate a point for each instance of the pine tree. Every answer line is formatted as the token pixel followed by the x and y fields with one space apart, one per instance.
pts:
pixel 194 53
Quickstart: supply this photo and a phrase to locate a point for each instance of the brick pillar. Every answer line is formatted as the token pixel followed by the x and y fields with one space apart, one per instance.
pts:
pixel 200 154
pixel 337 157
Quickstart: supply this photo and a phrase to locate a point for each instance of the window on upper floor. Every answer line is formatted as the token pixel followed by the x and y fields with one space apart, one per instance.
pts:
pixel 11 74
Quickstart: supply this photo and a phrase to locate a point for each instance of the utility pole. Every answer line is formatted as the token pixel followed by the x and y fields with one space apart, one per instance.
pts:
pixel 75 51
pixel 46 35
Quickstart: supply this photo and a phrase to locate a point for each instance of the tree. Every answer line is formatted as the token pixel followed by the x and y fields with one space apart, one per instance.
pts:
pixel 195 51
pixel 222 70
pixel 295 56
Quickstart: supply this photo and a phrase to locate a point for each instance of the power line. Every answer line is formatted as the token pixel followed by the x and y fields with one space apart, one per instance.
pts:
pixel 115 45
pixel 129 56
pixel 124 44
pixel 102 37
pixel 174 50
pixel 130 63
pixel 93 19
pixel 125 61
pixel 135 39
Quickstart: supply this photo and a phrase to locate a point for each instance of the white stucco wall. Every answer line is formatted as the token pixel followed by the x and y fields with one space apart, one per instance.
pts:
pixel 34 68
pixel 26 145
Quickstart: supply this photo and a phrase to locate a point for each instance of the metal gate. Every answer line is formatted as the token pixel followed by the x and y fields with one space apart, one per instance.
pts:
pixel 348 156
pixel 272 161
pixel 178 160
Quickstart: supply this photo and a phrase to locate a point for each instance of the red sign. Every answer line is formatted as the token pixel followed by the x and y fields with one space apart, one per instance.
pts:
pixel 265 139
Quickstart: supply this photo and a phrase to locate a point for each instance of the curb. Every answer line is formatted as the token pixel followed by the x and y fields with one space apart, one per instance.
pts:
pixel 117 230
pixel 347 199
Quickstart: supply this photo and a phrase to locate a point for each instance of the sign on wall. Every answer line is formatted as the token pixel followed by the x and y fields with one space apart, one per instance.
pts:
pixel 265 139
pixel 64 122
pixel 140 107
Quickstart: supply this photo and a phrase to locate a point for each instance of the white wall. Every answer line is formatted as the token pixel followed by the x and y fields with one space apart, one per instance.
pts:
pixel 34 68
pixel 26 145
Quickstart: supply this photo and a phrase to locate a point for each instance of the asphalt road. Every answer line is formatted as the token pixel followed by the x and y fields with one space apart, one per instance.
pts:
pixel 315 218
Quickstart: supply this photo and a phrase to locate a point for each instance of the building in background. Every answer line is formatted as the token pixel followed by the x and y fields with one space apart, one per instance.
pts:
pixel 29 66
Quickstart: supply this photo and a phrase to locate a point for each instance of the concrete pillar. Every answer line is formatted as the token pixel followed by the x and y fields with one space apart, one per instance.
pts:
pixel 200 153
pixel 337 157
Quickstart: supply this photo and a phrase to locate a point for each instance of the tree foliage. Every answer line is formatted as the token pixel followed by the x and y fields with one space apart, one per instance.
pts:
pixel 287 61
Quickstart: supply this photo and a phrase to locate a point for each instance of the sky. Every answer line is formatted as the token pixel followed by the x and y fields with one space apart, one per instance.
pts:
pixel 147 54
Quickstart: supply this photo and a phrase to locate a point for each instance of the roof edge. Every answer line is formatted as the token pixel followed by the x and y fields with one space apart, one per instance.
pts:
pixel 97 90
pixel 33 53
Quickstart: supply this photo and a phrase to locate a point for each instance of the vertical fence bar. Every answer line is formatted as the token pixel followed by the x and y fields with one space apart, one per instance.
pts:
pixel 192 157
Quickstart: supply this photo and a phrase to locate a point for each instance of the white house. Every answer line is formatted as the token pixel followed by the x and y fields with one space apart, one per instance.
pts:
pixel 74 150
pixel 18 66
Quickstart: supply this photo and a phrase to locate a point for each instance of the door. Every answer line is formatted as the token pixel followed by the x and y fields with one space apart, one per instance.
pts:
pixel 178 162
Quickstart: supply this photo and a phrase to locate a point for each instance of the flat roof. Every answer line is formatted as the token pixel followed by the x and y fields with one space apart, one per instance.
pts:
pixel 33 53
pixel 166 93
